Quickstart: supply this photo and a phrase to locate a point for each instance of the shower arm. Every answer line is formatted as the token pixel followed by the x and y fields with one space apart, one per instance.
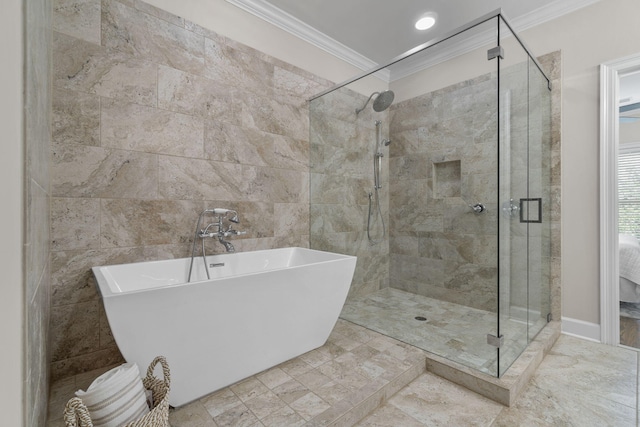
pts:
pixel 358 110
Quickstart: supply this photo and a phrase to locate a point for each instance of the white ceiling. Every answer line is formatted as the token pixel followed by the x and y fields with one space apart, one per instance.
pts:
pixel 366 33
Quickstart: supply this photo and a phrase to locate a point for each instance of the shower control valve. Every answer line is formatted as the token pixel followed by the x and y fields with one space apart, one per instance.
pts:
pixel 478 208
pixel 510 209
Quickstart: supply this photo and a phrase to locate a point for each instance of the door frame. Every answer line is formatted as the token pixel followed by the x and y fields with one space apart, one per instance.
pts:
pixel 610 73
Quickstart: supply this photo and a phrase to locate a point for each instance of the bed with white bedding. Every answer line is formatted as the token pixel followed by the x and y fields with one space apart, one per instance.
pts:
pixel 629 268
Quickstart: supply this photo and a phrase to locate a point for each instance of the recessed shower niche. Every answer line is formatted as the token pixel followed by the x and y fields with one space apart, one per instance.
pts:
pixel 446 179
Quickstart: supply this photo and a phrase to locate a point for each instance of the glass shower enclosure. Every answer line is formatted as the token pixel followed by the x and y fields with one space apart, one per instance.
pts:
pixel 434 170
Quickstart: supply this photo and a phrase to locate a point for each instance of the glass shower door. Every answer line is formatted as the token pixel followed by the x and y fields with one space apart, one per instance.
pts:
pixel 524 230
pixel 539 181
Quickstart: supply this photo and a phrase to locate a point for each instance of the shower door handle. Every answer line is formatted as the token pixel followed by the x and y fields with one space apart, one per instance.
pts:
pixel 529 215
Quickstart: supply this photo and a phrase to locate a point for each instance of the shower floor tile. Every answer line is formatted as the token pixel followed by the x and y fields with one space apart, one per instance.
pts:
pixel 456 332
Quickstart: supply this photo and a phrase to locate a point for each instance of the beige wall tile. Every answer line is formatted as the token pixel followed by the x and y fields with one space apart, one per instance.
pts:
pixel 202 180
pixel 270 115
pixel 85 67
pixel 291 218
pixel 85 362
pixel 154 11
pixel 82 171
pixel 237 66
pixel 150 130
pixel 130 120
pixel 146 222
pixel 72 280
pixel 78 18
pixel 136 33
pixel 80 324
pixel 75 224
pixel 76 118
pixel 195 95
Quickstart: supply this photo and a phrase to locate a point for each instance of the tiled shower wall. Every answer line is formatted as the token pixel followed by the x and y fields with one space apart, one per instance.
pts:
pixel 154 120
pixel 343 144
pixel 37 200
pixel 442 160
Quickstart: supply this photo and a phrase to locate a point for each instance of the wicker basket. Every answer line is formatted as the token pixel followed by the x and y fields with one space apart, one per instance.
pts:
pixel 76 413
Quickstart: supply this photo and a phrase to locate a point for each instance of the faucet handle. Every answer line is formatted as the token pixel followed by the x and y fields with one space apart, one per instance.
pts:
pixel 202 234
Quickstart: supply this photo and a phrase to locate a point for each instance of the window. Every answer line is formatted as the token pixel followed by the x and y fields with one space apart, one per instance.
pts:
pixel 629 189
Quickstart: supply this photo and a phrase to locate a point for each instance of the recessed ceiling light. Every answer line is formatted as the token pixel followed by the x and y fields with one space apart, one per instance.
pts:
pixel 425 22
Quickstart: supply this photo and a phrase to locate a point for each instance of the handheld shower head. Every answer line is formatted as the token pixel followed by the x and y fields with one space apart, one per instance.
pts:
pixel 219 211
pixel 381 103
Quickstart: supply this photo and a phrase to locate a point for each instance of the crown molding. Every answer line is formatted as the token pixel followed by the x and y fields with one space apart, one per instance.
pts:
pixel 549 12
pixel 281 19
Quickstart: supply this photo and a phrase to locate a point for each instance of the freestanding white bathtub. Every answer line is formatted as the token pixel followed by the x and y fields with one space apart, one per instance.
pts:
pixel 258 309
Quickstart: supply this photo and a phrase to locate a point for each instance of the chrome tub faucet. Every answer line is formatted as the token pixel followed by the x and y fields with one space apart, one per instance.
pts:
pixel 215 229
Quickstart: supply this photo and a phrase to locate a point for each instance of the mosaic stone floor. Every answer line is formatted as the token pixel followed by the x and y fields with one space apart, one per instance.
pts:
pixel 456 332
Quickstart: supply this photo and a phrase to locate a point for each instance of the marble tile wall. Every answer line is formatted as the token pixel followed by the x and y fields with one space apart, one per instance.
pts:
pixel 343 144
pixel 552 65
pixel 442 161
pixel 37 200
pixel 155 119
pixel 443 158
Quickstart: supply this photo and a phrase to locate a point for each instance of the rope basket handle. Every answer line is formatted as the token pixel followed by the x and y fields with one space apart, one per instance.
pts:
pixel 76 414
pixel 165 370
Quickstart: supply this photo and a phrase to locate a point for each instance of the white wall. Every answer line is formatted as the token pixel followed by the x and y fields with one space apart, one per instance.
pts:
pixel 598 33
pixel 588 37
pixel 11 167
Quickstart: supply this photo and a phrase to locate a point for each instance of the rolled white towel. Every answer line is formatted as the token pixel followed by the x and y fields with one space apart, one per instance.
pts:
pixel 116 397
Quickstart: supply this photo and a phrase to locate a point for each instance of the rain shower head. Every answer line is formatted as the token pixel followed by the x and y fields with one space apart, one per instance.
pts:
pixel 382 101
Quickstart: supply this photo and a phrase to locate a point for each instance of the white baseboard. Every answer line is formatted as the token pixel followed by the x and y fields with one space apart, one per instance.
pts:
pixel 581 329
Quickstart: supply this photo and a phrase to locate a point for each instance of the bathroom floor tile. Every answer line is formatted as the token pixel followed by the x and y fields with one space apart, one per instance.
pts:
pixel 309 405
pixel 192 415
pixel 579 383
pixel 273 378
pixel 435 401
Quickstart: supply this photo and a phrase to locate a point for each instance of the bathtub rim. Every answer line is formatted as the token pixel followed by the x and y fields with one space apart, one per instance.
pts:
pixel 102 275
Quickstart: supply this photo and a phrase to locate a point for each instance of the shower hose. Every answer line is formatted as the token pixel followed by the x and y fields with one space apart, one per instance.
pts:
pixel 378 211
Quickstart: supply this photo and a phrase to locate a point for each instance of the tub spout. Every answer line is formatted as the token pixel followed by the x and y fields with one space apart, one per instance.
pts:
pixel 227 245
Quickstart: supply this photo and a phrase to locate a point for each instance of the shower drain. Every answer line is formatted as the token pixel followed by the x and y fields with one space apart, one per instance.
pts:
pixel 420 318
